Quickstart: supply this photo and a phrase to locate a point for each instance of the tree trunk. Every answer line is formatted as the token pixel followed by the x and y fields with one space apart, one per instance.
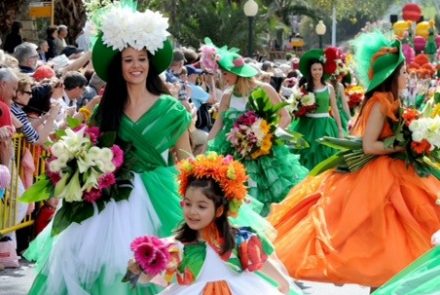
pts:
pixel 9 11
pixel 72 14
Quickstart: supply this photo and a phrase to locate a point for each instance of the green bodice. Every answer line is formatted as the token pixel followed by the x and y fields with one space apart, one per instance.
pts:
pixel 155 132
pixel 323 100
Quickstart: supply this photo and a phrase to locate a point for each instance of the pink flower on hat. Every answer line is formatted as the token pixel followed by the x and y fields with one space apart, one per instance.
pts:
pixel 238 62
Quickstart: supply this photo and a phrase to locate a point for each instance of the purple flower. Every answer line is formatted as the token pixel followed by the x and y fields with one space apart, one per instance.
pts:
pixel 144 254
pixel 53 176
pixel 93 133
pixel 118 156
pixel 158 263
pixel 92 196
pixel 151 254
pixel 106 181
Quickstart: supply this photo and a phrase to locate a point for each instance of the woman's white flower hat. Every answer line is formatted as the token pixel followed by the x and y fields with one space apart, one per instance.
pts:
pixel 119 25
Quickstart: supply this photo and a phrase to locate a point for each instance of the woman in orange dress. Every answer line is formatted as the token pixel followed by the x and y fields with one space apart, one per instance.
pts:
pixel 362 227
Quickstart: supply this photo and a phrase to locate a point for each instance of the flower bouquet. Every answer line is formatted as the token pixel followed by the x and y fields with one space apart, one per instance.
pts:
pixel 355 96
pixel 302 102
pixel 152 257
pixel 85 169
pixel 255 132
pixel 419 137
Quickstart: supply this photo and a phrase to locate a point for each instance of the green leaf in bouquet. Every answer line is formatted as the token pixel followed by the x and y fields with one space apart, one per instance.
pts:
pixel 61 184
pixel 389 142
pixel 437 97
pixel 292 139
pixel 60 133
pixel 41 190
pixel 347 143
pixel 329 163
pixel 72 122
pixel 107 139
pixel 356 159
pixel 261 104
pixel 71 212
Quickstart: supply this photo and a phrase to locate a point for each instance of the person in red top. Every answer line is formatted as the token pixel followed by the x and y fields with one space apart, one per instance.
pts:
pixel 45 214
pixel 8 86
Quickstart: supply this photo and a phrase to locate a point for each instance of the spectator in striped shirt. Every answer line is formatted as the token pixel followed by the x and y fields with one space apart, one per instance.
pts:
pixel 33 134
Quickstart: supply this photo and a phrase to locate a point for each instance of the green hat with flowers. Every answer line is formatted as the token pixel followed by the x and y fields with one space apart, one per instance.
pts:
pixel 376 58
pixel 329 57
pixel 119 25
pixel 308 58
pixel 230 61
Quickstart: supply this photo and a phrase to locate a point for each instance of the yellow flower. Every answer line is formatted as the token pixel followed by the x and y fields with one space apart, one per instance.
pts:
pixel 264 127
pixel 435 111
pixel 231 173
pixel 267 144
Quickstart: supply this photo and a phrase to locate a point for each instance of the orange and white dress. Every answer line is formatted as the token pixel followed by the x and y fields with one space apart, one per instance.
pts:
pixel 361 227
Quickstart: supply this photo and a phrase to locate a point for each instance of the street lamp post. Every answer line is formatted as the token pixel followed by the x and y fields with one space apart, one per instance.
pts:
pixel 250 10
pixel 320 31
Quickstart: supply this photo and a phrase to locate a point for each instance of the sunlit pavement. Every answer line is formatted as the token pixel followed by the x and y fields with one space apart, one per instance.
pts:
pixel 17 281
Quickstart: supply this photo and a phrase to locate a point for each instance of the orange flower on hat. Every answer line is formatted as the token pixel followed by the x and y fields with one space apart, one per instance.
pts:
pixel 228 173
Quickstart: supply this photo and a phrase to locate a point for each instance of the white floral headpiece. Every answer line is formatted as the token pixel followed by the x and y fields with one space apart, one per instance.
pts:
pixel 122 27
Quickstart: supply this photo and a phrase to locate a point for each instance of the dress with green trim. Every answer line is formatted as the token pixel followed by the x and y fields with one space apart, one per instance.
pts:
pixel 271 176
pixel 202 268
pixel 314 126
pixel 342 114
pixel 422 277
pixel 91 257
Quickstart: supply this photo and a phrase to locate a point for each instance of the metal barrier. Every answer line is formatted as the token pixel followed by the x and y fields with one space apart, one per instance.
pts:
pixel 9 206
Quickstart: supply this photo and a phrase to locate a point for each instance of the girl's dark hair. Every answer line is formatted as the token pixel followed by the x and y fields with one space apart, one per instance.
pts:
pixel 390 84
pixel 115 95
pixel 310 87
pixel 212 191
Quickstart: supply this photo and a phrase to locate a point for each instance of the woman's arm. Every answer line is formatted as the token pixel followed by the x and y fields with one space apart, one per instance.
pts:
pixel 370 141
pixel 285 118
pixel 49 125
pixel 273 272
pixel 335 111
pixel 218 125
pixel 183 147
pixel 344 102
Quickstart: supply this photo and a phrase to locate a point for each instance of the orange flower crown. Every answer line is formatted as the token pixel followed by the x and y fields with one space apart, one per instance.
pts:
pixel 228 173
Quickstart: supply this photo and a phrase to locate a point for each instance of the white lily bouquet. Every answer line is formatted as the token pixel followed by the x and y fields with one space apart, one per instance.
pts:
pixel 86 169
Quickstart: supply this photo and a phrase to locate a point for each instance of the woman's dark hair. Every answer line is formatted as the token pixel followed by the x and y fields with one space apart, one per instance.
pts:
pixel 115 95
pixel 40 100
pixel 310 85
pixel 390 84
pixel 212 191
pixel 15 28
pixel 50 30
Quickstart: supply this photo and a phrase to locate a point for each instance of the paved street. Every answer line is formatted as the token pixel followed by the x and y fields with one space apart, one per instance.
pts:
pixel 18 282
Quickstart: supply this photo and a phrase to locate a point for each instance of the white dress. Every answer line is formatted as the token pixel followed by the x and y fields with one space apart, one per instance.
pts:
pixel 215 269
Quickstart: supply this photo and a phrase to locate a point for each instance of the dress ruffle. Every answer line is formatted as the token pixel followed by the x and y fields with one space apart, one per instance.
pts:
pixel 313 129
pixel 421 277
pixel 272 176
pixel 361 227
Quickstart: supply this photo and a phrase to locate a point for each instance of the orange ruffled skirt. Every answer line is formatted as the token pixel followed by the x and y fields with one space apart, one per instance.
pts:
pixel 361 227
